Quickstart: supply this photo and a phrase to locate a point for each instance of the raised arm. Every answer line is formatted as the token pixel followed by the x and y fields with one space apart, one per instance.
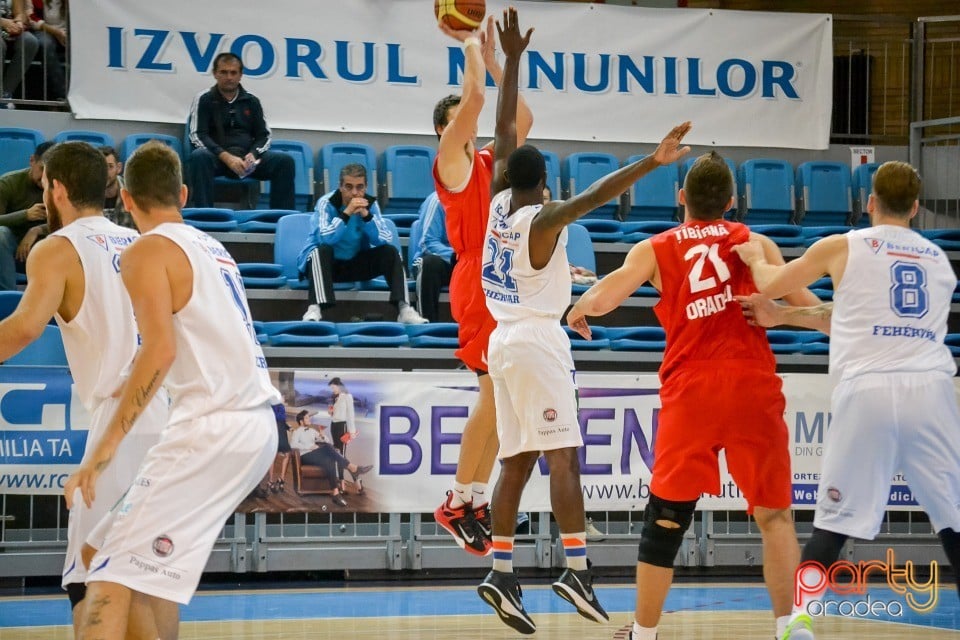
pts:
pixel 505 136
pixel 489 50
pixel 557 214
pixel 455 151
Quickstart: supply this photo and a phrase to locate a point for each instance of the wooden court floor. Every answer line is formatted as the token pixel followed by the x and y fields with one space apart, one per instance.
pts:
pixel 706 613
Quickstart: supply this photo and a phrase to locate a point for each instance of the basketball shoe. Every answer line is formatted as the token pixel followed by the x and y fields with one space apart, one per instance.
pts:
pixel 482 515
pixel 462 525
pixel 800 627
pixel 576 587
pixel 501 590
pixel 625 633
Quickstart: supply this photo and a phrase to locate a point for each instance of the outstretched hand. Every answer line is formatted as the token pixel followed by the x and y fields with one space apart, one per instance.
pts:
pixel 761 311
pixel 457 34
pixel 669 149
pixel 511 41
pixel 750 252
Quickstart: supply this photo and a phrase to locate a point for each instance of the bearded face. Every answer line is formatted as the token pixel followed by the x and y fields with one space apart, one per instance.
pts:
pixel 54 219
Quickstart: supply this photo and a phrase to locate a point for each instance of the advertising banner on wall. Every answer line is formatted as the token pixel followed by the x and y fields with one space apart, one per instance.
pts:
pixel 749 79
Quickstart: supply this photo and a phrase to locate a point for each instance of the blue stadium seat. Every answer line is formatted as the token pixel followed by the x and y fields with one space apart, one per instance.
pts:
pixel 812 234
pixel 580 170
pixel 946 239
pixel 580 252
pixel 784 342
pixel 45 351
pixel 260 220
pixel 785 235
pixel 602 230
pixel 301 334
pixel 634 231
pixel 94 138
pixel 766 187
pixel 822 288
pixel 952 340
pixel 210 219
pixel 302 156
pixel 291 234
pixel 823 189
pixel 402 221
pixel 637 338
pixel 598 341
pixel 435 335
pixel 134 140
pixel 407 174
pixel 862 184
pixel 554 183
pixel 332 158
pixel 654 196
pixel 372 334
pixel 16 147
pixel 260 275
pixel 814 343
pixel 8 302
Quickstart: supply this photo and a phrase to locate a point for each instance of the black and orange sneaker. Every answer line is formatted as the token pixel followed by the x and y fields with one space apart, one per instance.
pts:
pixel 462 525
pixel 482 515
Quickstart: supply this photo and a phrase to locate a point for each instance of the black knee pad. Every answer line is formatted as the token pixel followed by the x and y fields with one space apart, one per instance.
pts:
pixel 76 591
pixel 823 547
pixel 659 544
pixel 951 545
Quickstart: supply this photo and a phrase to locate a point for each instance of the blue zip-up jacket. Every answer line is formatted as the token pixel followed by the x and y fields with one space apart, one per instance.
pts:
pixel 348 235
pixel 433 232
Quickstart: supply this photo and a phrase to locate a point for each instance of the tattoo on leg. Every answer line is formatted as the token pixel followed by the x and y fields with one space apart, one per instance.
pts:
pixel 94 616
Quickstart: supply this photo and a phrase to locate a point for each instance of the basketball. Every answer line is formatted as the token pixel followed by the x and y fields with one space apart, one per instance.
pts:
pixel 461 15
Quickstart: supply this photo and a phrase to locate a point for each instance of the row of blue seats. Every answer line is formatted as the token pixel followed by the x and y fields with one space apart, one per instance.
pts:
pixel 769 191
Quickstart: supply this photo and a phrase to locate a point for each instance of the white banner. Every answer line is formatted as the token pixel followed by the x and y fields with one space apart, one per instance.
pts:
pixel 592 72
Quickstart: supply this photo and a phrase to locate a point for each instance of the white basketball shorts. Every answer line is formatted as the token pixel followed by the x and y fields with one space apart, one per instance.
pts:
pixel 161 534
pixel 534 387
pixel 882 424
pixel 114 480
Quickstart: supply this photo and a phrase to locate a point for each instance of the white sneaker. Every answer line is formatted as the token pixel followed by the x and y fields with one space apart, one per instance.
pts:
pixel 313 314
pixel 800 627
pixel 409 315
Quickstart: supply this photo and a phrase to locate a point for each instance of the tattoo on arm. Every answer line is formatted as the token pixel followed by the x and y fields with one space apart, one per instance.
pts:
pixel 103 464
pixel 822 311
pixel 142 395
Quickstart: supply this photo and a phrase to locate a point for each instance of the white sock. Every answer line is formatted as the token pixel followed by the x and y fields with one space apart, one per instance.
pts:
pixel 782 625
pixel 479 493
pixel 644 633
pixel 462 494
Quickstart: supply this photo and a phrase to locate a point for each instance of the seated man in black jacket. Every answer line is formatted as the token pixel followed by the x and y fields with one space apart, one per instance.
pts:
pixel 231 138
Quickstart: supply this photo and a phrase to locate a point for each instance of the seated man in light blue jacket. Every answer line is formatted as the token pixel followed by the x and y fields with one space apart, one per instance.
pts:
pixel 432 257
pixel 350 241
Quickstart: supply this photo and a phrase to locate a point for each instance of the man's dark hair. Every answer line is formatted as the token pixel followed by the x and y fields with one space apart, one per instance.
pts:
pixel 108 151
pixel 526 168
pixel 708 187
pixel 303 414
pixel 81 169
pixel 153 176
pixel 353 170
pixel 228 57
pixel 41 149
pixel 440 111
pixel 896 186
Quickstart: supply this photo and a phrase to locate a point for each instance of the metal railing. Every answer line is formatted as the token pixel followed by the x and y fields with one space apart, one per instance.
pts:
pixel 935 152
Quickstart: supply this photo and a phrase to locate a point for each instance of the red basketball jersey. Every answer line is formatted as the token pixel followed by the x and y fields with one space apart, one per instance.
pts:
pixel 468 208
pixel 699 275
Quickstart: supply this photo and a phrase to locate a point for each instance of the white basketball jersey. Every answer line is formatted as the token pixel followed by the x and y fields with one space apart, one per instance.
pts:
pixel 513 288
pixel 890 310
pixel 219 364
pixel 101 340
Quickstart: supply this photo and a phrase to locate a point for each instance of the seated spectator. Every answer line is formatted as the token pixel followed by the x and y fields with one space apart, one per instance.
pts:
pixel 350 241
pixel 433 258
pixel 23 216
pixel 15 36
pixel 113 208
pixel 316 449
pixel 230 137
pixel 50 27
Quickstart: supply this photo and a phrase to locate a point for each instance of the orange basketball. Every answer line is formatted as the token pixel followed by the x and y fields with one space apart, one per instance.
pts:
pixel 460 14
